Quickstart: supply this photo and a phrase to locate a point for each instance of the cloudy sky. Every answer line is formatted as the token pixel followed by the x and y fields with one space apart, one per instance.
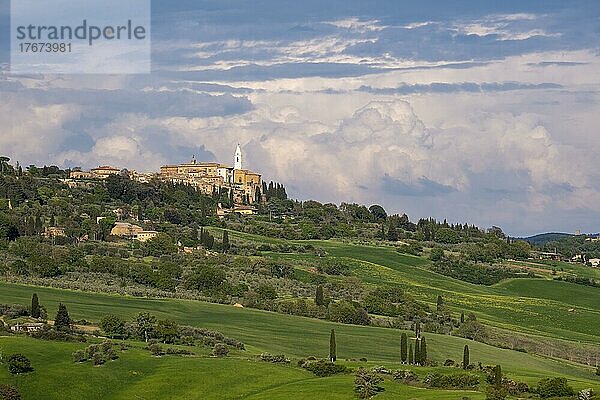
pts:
pixel 479 112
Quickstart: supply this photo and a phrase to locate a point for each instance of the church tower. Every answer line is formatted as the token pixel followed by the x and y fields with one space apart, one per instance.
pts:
pixel 238 158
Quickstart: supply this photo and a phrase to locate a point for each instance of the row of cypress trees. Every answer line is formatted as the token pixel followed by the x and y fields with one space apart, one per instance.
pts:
pixel 417 356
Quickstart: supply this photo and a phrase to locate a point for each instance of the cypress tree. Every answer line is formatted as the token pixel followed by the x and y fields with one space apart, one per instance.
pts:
pixel 403 349
pixel 319 297
pixel 35 306
pixel 466 357
pixel 418 329
pixel 225 241
pixel 62 322
pixel 462 317
pixel 332 346
pixel 423 355
pixel 497 376
pixel 411 359
pixel 417 357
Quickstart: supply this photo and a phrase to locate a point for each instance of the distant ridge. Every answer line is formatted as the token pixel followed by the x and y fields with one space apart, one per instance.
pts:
pixel 544 238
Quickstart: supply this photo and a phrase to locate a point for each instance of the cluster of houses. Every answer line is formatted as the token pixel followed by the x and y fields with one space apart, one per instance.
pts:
pixel 242 185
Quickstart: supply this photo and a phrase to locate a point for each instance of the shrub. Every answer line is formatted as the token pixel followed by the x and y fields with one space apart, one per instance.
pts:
pixel 79 356
pixel 405 376
pixel 91 350
pixel 9 392
pixel 111 354
pixel 175 351
pixel 554 387
pixel 322 368
pixel 367 383
pixel 19 364
pixel 48 333
pixel 274 358
pixel 220 350
pixel 382 370
pixel 156 349
pixel 449 363
pixel 98 359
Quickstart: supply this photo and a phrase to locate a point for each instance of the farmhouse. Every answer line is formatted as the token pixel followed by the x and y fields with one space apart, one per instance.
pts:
pixel 125 229
pixel 144 236
pixel 51 232
pixel 27 327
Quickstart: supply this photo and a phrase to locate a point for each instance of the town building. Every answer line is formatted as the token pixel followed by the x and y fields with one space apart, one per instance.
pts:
pixel 144 236
pixel 51 232
pixel 208 177
pixel 242 185
pixel 125 229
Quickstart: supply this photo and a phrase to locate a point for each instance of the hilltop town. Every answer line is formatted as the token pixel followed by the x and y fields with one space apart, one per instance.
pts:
pixel 243 187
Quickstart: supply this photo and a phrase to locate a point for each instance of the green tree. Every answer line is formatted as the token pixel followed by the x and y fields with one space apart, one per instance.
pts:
pixel 145 325
pixel 411 358
pixel 417 351
pixel 423 352
pixel 226 244
pixel 62 321
pixel 205 277
pixel 332 346
pixel 378 213
pixel 437 253
pixel 403 348
pixel 112 325
pixel 35 306
pixel 496 390
pixel 554 387
pixel 319 297
pixel 167 330
pixel 19 364
pixel 466 357
pixel 440 305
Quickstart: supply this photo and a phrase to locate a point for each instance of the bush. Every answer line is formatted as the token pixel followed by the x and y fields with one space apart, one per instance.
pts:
pixel 175 351
pixel 454 381
pixel 220 350
pixel 48 333
pixel 322 368
pixel 156 349
pixel 79 356
pixel 406 376
pixel 9 392
pixel 274 359
pixel 98 359
pixel 19 364
pixel 554 387
pixel 367 383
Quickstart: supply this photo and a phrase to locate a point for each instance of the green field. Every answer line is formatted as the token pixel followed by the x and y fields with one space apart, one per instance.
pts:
pixel 138 375
pixel 538 306
pixel 521 306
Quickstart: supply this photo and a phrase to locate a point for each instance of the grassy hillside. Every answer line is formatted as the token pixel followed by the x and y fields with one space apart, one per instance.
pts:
pixel 517 309
pixel 137 375
pixel 295 336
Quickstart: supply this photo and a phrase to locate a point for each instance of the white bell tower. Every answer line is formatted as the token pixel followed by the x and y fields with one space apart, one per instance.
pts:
pixel 237 164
